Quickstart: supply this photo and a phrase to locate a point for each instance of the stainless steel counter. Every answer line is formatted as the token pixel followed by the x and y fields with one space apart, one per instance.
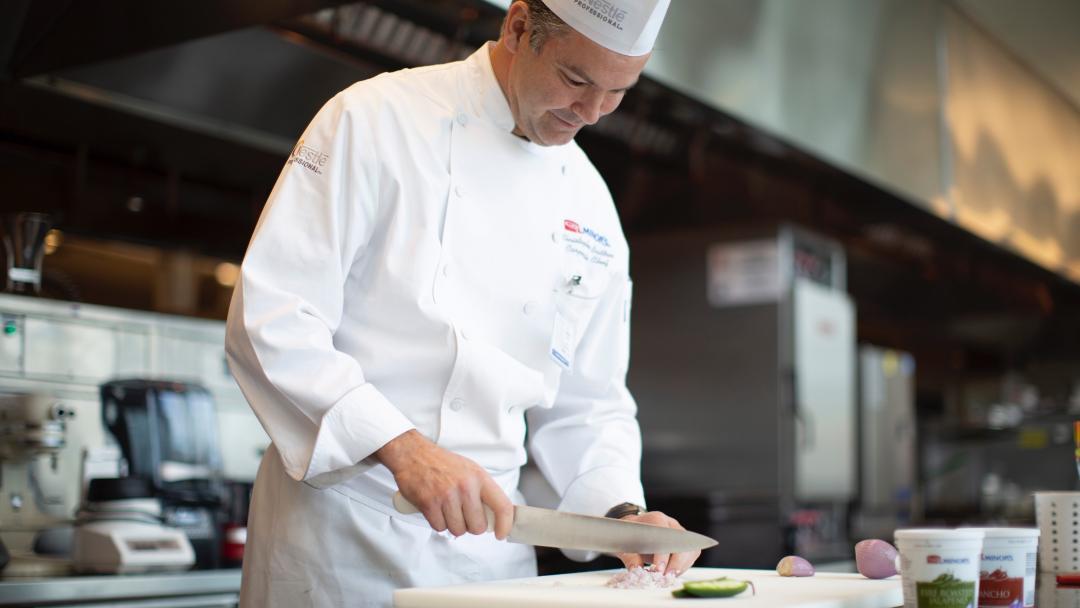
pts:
pixel 196 589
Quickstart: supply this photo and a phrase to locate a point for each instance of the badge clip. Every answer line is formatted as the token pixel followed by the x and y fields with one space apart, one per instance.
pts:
pixel 573 283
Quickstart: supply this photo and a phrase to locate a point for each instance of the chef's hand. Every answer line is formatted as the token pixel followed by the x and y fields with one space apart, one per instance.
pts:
pixel 675 563
pixel 450 490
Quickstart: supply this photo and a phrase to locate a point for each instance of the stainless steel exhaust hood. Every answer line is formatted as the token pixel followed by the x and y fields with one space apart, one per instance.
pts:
pixel 861 84
pixel 252 85
pixel 895 91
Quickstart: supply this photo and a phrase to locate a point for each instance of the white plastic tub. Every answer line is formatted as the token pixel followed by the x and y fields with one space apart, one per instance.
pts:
pixel 939 568
pixel 1007 575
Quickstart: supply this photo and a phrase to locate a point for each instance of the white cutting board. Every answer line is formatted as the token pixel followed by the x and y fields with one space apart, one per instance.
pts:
pixel 823 590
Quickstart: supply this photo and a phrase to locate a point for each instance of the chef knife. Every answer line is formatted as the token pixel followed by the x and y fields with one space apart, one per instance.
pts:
pixel 548 528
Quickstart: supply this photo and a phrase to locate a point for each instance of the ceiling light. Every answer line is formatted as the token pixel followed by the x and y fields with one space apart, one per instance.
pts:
pixel 227 273
pixel 53 239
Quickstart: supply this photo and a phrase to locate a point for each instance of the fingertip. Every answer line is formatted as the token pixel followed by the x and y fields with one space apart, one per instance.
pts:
pixel 680 564
pixel 660 564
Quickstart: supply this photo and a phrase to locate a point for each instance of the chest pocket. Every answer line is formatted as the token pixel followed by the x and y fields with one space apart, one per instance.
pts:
pixel 578 290
pixel 583 281
pixel 583 267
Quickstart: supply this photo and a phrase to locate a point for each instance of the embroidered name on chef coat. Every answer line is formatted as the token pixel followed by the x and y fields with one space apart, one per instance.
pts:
pixel 308 158
pixel 588 244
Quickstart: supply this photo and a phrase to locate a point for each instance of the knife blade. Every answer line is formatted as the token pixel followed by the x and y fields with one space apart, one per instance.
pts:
pixel 549 528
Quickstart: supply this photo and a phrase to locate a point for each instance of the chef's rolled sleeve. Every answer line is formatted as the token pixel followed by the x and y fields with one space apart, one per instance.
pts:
pixel 354 428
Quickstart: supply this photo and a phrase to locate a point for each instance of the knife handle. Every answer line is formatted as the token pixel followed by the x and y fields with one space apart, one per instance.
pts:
pixel 405 507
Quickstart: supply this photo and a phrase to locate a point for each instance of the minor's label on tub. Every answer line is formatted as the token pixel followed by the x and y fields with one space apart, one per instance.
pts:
pixel 998 589
pixel 1007 576
pixel 946 591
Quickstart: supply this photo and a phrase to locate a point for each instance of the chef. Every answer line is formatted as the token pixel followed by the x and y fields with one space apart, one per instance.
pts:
pixel 437 290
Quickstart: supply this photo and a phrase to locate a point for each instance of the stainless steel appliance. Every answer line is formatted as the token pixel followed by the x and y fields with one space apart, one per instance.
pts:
pixel 24 244
pixel 64 352
pixel 32 425
pixel 33 435
pixel 887 443
pixel 743 366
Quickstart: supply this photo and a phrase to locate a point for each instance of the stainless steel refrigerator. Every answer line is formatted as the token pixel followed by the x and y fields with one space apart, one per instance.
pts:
pixel 743 366
pixel 888 496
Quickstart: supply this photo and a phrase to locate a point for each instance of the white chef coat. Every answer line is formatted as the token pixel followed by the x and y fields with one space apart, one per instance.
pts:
pixel 419 266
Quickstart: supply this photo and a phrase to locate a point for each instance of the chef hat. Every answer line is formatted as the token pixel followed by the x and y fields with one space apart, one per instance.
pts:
pixel 628 27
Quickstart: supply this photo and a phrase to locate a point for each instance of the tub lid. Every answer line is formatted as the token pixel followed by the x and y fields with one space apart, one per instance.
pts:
pixel 1010 532
pixel 940 534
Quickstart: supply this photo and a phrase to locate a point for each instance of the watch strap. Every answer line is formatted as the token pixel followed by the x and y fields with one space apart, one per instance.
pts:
pixel 621 510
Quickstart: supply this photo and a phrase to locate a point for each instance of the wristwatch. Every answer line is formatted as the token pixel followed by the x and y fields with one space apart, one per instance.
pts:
pixel 621 510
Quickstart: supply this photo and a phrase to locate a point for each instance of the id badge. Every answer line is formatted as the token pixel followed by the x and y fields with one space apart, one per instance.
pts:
pixel 562 341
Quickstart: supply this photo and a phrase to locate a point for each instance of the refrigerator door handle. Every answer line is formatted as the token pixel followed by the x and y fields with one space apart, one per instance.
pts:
pixel 804 429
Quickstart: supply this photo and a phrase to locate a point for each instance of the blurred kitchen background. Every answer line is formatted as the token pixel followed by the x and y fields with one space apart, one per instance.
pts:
pixel 855 228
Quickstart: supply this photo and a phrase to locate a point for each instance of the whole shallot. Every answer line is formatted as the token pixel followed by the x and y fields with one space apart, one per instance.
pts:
pixel 875 558
pixel 793 565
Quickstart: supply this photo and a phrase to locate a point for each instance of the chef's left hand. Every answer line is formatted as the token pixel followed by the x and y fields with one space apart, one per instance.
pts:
pixel 675 563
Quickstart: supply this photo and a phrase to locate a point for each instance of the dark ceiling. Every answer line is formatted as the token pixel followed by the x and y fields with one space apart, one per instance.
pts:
pixel 42 36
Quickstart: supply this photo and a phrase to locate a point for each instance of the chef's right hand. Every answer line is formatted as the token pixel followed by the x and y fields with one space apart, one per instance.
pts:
pixel 450 490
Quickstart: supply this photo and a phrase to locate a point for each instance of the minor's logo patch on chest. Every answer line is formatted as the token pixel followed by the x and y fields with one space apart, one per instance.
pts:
pixel 583 241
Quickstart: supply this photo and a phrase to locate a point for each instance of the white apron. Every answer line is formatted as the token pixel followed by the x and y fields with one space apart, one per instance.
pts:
pixel 311 547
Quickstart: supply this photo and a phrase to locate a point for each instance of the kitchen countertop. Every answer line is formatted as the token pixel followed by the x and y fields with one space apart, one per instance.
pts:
pixel 217 587
pixel 586 589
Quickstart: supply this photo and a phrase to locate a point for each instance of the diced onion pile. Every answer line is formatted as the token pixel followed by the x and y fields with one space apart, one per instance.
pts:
pixel 642 578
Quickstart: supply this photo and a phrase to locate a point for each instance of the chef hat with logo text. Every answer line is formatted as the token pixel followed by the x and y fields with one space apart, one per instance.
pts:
pixel 628 27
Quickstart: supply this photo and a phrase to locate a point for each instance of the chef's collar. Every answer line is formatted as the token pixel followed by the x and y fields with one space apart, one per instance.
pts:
pixel 487 101
pixel 487 97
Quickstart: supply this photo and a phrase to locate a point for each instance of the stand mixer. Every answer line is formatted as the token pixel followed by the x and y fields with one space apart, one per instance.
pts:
pixel 35 478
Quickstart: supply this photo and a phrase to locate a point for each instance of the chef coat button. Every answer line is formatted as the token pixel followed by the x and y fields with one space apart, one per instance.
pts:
pixel 462 119
pixel 529 308
pixel 457 404
pixel 564 169
pixel 446 270
pixel 554 237
pixel 459 190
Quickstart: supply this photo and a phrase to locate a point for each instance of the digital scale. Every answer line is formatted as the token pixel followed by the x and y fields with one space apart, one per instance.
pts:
pixel 126 535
